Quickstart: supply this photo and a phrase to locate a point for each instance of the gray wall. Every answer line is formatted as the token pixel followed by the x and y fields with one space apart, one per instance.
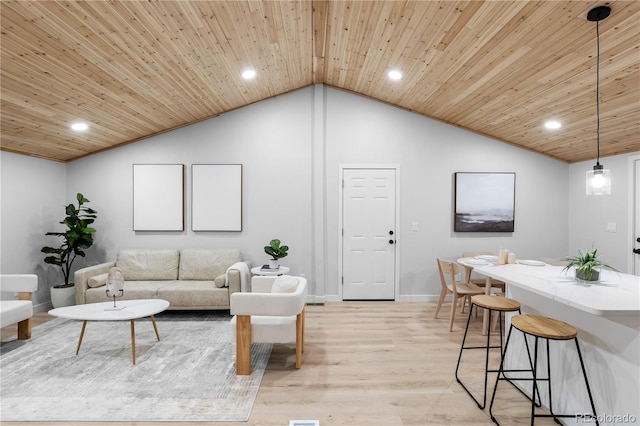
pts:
pixel 291 148
pixel 590 215
pixel 33 197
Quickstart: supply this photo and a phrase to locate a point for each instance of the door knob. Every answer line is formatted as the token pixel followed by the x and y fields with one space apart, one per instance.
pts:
pixel 391 241
pixel 391 233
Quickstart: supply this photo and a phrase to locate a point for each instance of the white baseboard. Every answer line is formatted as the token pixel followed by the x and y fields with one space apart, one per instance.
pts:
pixel 402 298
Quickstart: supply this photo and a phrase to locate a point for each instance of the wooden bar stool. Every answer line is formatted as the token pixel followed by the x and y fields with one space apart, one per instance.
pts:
pixel 492 304
pixel 540 327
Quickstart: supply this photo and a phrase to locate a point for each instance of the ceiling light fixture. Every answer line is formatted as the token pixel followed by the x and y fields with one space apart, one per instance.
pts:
pixel 79 126
pixel 248 74
pixel 598 179
pixel 395 75
pixel 552 125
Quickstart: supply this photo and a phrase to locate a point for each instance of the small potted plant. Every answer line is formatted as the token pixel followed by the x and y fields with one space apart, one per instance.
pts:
pixel 276 251
pixel 587 266
pixel 77 237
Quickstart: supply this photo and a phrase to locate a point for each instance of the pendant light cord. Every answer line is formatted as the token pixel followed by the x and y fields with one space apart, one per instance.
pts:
pixel 598 91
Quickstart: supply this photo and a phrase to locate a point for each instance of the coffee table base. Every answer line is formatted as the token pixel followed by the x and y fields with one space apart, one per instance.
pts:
pixel 133 336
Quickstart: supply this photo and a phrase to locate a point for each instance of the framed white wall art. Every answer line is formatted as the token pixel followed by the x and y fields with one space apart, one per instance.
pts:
pixel 158 197
pixel 216 198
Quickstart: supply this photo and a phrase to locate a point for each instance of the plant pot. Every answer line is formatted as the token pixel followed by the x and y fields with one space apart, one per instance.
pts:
pixel 62 296
pixel 273 264
pixel 582 276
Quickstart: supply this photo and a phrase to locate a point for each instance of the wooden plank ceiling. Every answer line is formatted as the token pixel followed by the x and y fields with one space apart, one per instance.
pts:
pixel 138 68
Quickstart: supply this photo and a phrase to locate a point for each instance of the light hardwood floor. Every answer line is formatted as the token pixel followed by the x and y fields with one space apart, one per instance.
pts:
pixel 370 363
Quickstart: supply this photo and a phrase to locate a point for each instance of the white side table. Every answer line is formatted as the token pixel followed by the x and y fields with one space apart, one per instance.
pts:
pixel 282 270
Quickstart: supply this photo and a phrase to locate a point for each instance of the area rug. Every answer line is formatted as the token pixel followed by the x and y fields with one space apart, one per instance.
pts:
pixel 189 375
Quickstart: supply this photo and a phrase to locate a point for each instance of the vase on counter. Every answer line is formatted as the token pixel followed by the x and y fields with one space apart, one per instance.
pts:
pixel 587 276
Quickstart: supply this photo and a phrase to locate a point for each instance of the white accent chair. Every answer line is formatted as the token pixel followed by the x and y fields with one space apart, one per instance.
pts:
pixel 272 312
pixel 18 311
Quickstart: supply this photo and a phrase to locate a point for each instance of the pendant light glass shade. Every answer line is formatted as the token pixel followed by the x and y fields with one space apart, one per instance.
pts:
pixel 598 179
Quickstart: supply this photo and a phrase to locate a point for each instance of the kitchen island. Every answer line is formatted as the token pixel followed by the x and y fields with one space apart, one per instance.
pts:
pixel 607 317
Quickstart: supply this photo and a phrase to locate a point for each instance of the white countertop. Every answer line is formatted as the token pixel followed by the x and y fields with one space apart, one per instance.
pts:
pixel 616 294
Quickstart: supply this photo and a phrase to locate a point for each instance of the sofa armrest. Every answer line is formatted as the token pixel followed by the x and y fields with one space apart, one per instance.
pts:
pixel 234 281
pixel 81 278
pixel 235 278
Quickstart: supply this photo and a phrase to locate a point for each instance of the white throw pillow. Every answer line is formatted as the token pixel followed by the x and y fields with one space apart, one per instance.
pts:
pixel 97 280
pixel 284 284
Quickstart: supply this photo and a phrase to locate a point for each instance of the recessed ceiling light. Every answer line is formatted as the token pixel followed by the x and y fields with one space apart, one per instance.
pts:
pixel 395 75
pixel 79 126
pixel 248 74
pixel 552 125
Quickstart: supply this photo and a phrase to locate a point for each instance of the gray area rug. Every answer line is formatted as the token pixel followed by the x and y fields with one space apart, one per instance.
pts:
pixel 187 376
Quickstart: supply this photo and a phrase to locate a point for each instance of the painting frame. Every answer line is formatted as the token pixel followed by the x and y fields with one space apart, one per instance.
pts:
pixel 216 197
pixel 158 197
pixel 484 202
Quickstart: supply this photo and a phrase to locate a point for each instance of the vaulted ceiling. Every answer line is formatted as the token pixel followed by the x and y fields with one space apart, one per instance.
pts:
pixel 132 69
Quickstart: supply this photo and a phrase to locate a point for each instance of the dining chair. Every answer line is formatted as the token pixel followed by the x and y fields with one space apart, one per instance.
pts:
pixel 482 281
pixel 458 289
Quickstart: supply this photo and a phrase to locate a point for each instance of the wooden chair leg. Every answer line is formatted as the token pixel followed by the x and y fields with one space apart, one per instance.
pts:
pixel 443 293
pixel 299 339
pixel 303 321
pixel 463 302
pixel 243 345
pixel 494 321
pixel 453 312
pixel 24 329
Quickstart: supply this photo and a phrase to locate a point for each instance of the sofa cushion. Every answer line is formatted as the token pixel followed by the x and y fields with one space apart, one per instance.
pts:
pixel 206 264
pixel 284 284
pixel 148 264
pixel 97 280
pixel 194 294
pixel 132 290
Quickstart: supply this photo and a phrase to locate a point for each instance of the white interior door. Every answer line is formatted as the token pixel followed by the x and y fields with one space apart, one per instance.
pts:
pixel 368 234
pixel 636 213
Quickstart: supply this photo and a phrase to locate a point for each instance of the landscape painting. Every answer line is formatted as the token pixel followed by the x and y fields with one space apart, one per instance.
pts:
pixel 484 202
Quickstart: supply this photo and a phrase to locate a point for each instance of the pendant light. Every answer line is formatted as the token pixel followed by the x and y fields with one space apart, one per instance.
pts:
pixel 598 179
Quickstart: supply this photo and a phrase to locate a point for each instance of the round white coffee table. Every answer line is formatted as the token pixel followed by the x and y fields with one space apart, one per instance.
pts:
pixel 105 311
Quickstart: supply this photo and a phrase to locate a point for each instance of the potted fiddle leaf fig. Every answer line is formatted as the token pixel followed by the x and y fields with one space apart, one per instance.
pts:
pixel 76 238
pixel 276 251
pixel 587 266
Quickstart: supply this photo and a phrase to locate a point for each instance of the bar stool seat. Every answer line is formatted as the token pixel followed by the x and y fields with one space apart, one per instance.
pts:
pixel 540 327
pixel 492 304
pixel 495 303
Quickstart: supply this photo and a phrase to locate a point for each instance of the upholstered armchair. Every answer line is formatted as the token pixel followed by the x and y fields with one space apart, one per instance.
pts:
pixel 18 311
pixel 272 312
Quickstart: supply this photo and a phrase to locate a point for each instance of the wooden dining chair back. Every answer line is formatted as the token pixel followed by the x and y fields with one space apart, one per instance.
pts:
pixel 482 281
pixel 448 271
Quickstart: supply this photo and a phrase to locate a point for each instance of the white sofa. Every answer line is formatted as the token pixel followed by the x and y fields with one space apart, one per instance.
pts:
pixel 190 279
pixel 18 311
